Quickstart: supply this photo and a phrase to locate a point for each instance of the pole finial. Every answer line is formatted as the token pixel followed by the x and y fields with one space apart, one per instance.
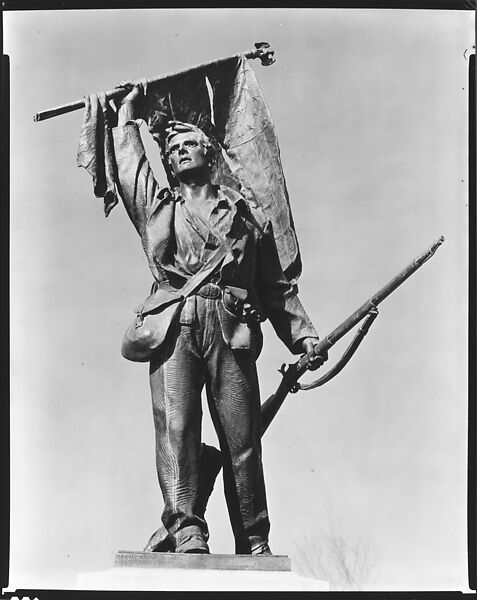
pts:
pixel 264 53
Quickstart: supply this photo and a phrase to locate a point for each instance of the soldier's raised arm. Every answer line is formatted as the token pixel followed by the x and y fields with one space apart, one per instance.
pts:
pixel 137 186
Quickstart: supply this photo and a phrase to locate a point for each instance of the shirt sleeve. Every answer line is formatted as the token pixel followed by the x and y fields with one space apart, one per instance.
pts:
pixel 137 186
pixel 278 295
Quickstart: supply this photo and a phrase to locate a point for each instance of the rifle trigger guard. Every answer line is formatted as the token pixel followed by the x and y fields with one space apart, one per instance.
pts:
pixel 358 338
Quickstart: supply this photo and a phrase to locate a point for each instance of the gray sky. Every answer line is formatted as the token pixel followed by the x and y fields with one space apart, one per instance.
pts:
pixel 371 112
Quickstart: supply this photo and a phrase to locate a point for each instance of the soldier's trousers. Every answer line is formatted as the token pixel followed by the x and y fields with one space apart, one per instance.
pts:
pixel 197 355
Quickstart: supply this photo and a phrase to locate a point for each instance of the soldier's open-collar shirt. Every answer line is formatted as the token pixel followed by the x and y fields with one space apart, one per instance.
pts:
pixel 199 229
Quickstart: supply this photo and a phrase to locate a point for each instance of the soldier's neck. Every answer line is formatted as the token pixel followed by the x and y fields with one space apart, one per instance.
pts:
pixel 197 191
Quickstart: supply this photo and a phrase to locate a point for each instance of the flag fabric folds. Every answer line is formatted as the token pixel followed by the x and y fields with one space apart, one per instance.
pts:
pixel 246 130
pixel 226 102
pixel 95 149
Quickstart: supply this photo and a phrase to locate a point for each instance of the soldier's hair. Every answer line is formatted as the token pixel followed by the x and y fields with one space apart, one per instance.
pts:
pixel 176 127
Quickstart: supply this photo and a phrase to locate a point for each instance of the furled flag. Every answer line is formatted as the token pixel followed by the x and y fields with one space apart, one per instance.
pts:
pixel 225 101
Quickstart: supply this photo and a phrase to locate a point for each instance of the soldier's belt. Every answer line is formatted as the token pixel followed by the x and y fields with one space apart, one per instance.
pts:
pixel 236 303
pixel 209 290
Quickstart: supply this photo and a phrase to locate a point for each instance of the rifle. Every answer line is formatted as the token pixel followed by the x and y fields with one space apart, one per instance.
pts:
pixel 293 372
pixel 210 460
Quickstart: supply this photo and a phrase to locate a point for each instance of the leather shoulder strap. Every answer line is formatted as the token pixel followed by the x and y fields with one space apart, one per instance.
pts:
pixel 160 297
pixel 208 268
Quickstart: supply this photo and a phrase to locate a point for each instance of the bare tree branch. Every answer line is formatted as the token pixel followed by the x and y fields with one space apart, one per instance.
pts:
pixel 347 563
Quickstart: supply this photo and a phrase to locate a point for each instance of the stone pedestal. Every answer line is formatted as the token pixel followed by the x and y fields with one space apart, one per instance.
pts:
pixel 199 572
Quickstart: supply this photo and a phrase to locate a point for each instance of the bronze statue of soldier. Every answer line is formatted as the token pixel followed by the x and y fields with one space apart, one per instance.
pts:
pixel 217 338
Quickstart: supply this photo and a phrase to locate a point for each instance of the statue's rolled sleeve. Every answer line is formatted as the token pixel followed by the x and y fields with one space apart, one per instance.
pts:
pixel 282 305
pixel 137 185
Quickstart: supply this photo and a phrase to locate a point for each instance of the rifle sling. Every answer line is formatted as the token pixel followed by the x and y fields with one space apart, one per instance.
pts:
pixel 340 365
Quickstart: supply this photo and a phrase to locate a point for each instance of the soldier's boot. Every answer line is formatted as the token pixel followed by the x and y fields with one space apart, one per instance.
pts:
pixel 210 463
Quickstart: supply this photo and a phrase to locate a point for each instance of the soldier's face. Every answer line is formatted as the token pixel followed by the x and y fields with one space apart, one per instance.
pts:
pixel 186 153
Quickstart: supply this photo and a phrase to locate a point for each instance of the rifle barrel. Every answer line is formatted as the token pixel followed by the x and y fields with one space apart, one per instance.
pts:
pixel 330 340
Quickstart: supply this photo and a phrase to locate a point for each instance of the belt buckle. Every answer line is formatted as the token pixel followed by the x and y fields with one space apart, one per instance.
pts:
pixel 209 290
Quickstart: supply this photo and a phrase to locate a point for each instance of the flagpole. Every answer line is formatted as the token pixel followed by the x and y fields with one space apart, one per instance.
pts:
pixel 262 51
